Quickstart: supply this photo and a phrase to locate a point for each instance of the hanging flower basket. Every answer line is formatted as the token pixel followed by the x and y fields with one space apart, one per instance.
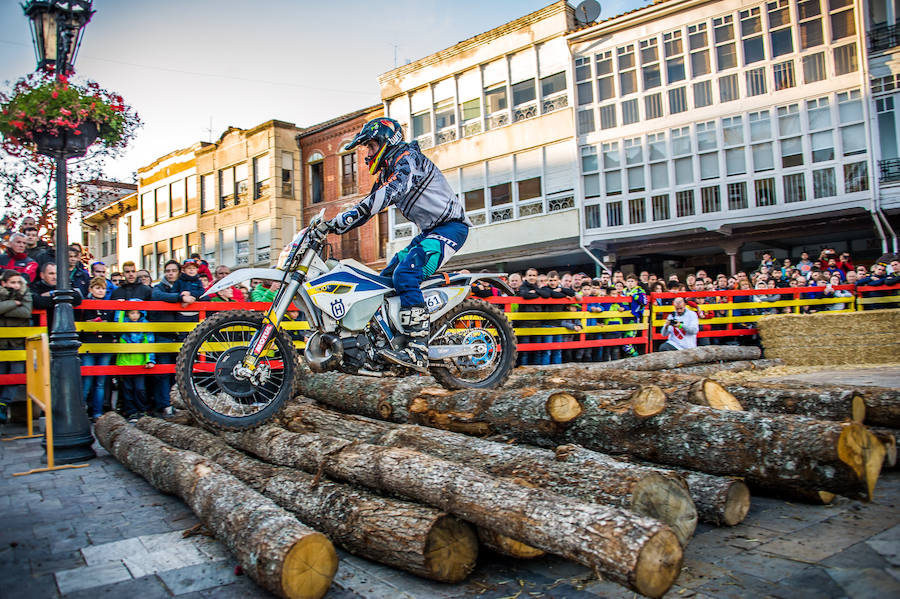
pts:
pixel 48 115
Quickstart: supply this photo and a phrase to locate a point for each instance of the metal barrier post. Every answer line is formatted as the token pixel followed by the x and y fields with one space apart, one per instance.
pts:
pixel 37 377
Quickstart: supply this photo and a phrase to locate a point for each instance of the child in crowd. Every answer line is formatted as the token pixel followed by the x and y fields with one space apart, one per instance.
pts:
pixel 133 387
pixel 93 387
pixel 15 311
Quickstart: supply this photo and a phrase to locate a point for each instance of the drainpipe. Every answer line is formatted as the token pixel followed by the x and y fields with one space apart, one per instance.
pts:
pixel 875 211
pixel 890 229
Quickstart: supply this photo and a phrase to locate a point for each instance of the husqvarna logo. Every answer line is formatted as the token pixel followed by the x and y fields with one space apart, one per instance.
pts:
pixel 337 308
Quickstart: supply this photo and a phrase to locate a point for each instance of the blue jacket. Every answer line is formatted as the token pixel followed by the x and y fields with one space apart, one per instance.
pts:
pixel 134 359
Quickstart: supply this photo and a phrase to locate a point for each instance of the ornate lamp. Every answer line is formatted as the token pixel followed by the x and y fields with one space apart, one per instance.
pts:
pixel 56 30
pixel 57 27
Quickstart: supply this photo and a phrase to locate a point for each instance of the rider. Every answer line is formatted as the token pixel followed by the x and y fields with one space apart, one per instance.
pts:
pixel 406 178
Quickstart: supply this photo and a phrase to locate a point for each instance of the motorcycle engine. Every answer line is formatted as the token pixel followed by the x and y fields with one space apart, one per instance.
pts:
pixel 358 353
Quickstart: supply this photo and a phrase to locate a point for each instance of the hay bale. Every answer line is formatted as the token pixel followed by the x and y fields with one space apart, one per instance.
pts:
pixel 871 337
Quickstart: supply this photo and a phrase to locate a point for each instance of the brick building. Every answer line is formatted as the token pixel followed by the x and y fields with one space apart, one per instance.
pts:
pixel 336 180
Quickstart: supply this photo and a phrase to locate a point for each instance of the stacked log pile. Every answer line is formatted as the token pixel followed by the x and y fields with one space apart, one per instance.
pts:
pixel 607 467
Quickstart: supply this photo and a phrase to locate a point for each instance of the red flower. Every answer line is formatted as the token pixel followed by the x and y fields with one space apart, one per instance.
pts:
pixel 65 111
pixel 55 94
pixel 17 124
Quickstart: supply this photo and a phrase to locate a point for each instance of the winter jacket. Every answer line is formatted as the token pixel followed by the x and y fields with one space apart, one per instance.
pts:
pixel 164 292
pixel 41 253
pixel 80 279
pixel 262 294
pixel 19 263
pixel 532 292
pixel 134 359
pixel 556 293
pixel 15 311
pixel 130 291
pixel 90 315
pixel 45 302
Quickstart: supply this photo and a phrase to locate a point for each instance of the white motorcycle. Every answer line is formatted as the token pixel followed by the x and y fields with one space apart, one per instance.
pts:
pixel 237 368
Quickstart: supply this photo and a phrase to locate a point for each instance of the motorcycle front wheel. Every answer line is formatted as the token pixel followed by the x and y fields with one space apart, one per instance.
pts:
pixel 204 372
pixel 474 321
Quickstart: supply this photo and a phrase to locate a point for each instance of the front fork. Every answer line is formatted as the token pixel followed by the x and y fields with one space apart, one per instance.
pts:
pixel 263 338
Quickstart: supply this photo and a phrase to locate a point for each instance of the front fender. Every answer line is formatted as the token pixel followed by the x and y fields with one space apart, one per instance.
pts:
pixel 245 274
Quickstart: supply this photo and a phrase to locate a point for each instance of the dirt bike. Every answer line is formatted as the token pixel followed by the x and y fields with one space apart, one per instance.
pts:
pixel 237 368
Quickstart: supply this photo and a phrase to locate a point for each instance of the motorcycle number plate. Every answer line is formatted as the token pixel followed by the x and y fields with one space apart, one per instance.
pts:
pixel 435 301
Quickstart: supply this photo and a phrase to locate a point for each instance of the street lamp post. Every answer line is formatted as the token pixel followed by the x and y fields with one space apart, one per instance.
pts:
pixel 57 27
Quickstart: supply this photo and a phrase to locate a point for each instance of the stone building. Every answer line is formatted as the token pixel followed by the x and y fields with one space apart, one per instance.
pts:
pixel 248 193
pixel 167 209
pixel 336 180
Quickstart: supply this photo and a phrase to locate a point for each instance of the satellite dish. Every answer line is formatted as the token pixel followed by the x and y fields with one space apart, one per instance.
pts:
pixel 587 12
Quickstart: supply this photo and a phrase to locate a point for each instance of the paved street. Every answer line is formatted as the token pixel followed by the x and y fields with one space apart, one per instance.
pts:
pixel 104 532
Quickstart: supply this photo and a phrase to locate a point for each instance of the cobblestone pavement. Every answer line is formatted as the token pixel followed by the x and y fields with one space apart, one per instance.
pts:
pixel 104 532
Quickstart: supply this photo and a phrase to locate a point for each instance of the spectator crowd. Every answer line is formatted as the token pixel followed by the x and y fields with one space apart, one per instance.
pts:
pixel 28 275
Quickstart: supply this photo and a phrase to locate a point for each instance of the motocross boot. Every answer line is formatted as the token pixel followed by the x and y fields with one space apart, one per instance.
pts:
pixel 415 321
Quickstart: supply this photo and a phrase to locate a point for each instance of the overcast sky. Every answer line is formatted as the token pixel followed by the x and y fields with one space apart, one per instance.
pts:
pixel 184 64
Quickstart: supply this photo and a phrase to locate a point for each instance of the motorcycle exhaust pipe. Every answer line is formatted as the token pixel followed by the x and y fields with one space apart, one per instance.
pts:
pixel 324 352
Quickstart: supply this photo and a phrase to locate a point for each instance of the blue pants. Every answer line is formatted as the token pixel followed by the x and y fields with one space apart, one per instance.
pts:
pixel 133 394
pixel 424 255
pixel 93 387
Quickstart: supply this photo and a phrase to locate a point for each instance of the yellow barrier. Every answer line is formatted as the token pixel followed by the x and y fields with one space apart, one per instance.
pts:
pixel 37 377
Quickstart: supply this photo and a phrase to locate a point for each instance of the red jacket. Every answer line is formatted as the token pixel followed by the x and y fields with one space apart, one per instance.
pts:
pixel 19 263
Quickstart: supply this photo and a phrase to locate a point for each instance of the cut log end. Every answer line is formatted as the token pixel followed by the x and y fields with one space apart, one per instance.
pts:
pixel 507 546
pixel 658 564
pixel 451 549
pixel 716 396
pixel 826 497
pixel 664 499
pixel 889 440
pixel 647 401
pixel 737 504
pixel 862 451
pixel 309 567
pixel 858 409
pixel 563 407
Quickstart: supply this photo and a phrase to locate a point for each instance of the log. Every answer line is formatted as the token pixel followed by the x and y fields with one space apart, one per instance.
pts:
pixel 773 449
pixel 415 538
pixel 720 500
pixel 835 402
pixel 736 366
pixel 770 449
pixel 273 548
pixel 589 378
pixel 635 551
pixel 668 360
pixel 605 480
pixel 820 402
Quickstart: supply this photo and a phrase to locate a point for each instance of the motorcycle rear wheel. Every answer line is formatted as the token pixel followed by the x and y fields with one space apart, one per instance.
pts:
pixel 205 363
pixel 475 321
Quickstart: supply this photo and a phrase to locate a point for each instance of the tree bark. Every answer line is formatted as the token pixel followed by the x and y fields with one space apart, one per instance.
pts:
pixel 603 480
pixel 273 548
pixel 422 540
pixel 835 402
pixel 736 366
pixel 632 550
pixel 820 402
pixel 772 449
pixel 589 378
pixel 684 357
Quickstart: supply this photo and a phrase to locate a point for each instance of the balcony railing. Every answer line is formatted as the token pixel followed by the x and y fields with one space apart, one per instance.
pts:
pixel 884 37
pixel 889 170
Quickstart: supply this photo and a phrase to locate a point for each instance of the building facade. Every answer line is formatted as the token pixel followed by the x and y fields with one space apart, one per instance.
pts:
pixel 882 19
pixel 112 232
pixel 494 114
pixel 337 180
pixel 724 128
pixel 168 206
pixel 91 198
pixel 248 190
